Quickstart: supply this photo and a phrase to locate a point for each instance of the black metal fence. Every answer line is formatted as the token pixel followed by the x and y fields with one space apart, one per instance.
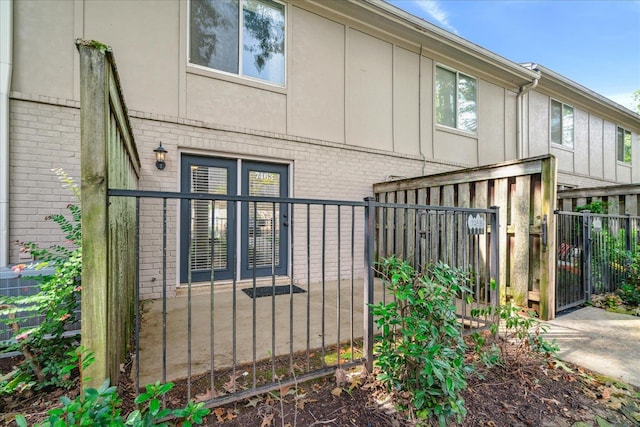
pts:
pixel 594 254
pixel 235 335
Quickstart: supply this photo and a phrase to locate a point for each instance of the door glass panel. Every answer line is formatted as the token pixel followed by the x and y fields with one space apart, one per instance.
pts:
pixel 208 219
pixel 264 224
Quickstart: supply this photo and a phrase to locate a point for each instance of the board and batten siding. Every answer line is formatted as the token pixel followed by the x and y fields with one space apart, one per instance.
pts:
pixel 347 82
pixel 593 155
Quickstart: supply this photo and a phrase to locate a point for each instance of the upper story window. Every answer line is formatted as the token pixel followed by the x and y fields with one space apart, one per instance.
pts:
pixel 623 145
pixel 243 37
pixel 561 124
pixel 456 100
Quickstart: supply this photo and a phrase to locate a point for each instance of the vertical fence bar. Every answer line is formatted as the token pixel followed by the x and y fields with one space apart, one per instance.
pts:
pixel 324 255
pixel 137 304
pixel 586 250
pixel 369 235
pixel 234 265
pixel 353 240
pixel 253 269
pixel 190 273
pixel 338 301
pixel 273 289
pixel 290 211
pixel 495 254
pixel 211 296
pixel 308 285
pixel 164 293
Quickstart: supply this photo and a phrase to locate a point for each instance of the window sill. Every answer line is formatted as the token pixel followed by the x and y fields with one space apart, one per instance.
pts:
pixel 625 164
pixel 245 81
pixel 563 147
pixel 448 129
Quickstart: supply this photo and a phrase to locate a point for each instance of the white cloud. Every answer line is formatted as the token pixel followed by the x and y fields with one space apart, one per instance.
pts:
pixel 433 9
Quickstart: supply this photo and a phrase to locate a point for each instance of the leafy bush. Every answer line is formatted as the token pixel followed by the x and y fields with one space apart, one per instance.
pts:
pixel 518 334
pixel 49 355
pixel 101 407
pixel 420 352
pixel 630 294
pixel 596 206
pixel 629 291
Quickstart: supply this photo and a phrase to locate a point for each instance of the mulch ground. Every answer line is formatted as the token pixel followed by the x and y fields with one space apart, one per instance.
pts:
pixel 532 392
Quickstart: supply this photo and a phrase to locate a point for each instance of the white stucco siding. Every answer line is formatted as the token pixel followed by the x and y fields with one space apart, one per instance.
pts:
pixel 43 53
pixel 456 147
pixel 538 125
pixel 491 130
pixel 406 101
pixel 369 109
pixel 609 151
pixel 510 128
pixel 219 101
pixel 581 142
pixel 596 156
pixel 426 102
pixel 145 37
pixel 316 77
pixel 565 158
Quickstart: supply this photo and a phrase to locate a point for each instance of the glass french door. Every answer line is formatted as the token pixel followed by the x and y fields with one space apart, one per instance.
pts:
pixel 209 229
pixel 264 224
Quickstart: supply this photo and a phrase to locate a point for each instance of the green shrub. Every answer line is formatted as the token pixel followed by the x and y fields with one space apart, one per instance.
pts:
pixel 101 407
pixel 420 351
pixel 518 334
pixel 48 354
pixel 630 294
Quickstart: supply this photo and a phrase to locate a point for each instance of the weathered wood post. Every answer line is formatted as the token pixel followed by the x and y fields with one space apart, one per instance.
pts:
pixel 94 99
pixel 548 253
pixel 109 159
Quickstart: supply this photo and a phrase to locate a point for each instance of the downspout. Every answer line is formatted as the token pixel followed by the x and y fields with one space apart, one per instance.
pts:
pixel 6 44
pixel 520 114
pixel 424 158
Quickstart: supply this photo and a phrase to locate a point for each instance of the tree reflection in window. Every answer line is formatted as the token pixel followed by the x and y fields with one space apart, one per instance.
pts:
pixel 216 31
pixel 456 100
pixel 561 124
pixel 624 145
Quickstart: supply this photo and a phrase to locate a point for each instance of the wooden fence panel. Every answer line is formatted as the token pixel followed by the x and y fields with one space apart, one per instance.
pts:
pixel 520 189
pixel 109 159
pixel 619 199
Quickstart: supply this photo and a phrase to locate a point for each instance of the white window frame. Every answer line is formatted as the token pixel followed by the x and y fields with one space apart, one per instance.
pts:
pixel 561 143
pixel 240 74
pixel 457 112
pixel 624 133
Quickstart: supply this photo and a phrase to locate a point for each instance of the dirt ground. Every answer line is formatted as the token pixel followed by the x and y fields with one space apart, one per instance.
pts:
pixel 532 392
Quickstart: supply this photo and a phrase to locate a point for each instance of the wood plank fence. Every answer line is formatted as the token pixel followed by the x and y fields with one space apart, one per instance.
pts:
pixel 109 158
pixel 525 192
pixel 617 199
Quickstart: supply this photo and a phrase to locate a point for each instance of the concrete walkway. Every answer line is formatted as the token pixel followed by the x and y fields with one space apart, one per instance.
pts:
pixel 603 342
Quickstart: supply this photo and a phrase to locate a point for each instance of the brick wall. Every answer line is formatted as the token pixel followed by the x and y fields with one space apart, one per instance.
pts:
pixel 44 134
pixel 42 137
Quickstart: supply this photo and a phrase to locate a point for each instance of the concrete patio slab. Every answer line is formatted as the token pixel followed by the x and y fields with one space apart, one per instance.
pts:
pixel 603 342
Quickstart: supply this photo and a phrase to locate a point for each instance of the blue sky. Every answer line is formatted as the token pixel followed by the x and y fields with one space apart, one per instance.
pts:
pixel 595 43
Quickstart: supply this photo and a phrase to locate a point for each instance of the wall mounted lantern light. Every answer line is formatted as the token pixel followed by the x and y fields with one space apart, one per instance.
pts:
pixel 161 152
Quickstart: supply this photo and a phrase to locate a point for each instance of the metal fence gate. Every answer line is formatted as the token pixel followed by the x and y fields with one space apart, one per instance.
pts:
pixel 594 254
pixel 225 338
